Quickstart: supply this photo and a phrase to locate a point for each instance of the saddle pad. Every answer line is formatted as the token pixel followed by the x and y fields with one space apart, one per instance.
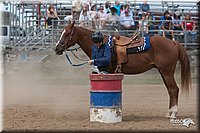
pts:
pixel 110 43
pixel 141 48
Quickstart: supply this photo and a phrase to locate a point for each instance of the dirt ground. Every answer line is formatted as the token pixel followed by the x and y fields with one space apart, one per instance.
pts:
pixel 54 96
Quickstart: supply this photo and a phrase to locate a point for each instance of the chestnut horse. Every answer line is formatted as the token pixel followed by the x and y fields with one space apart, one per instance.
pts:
pixel 163 55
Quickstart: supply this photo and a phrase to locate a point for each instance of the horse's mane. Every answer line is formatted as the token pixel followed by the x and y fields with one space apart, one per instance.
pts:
pixel 90 31
pixel 85 29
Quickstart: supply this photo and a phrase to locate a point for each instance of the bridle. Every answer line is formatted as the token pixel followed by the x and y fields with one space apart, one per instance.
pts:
pixel 62 43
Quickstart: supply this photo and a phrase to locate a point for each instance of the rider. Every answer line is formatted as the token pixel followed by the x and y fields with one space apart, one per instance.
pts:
pixel 101 53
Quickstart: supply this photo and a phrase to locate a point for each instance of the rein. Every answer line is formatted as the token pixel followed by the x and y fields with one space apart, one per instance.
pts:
pixel 71 50
pixel 76 65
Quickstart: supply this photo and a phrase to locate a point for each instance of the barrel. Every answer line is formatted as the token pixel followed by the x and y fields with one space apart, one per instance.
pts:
pixel 106 98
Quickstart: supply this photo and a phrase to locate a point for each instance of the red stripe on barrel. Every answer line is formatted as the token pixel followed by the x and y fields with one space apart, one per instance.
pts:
pixel 106 82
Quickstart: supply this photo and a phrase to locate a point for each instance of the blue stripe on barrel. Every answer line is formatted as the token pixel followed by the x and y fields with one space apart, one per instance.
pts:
pixel 105 99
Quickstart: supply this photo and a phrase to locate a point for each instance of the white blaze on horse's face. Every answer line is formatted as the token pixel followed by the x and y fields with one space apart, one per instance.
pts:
pixel 60 37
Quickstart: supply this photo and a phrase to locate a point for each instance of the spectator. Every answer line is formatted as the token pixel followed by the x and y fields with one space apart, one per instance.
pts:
pixel 112 19
pixel 144 8
pixel 163 18
pixel 86 6
pixel 127 7
pixel 127 21
pixel 143 25
pixel 77 7
pixel 52 15
pixel 94 16
pixel 166 25
pixel 118 7
pixel 102 17
pixel 122 8
pixel 90 4
pixel 68 17
pixel 107 7
pixel 84 17
pixel 189 28
pixel 177 24
pixel 150 24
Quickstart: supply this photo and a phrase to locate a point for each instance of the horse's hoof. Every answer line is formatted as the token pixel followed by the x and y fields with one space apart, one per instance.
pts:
pixel 173 115
pixel 168 115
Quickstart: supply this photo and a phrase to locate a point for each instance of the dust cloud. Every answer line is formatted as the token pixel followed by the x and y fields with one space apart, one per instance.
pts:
pixel 52 82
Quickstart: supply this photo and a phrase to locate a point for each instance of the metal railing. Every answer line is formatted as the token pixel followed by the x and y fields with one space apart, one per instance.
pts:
pixel 39 38
pixel 27 17
pixel 180 35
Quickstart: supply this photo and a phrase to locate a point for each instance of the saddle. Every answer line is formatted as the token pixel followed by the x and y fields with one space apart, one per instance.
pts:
pixel 121 44
pixel 129 42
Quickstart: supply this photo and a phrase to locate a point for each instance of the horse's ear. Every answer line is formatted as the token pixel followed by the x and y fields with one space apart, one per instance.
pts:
pixel 69 22
pixel 73 23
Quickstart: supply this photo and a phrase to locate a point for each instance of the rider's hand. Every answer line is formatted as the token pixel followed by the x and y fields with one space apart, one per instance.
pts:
pixel 90 62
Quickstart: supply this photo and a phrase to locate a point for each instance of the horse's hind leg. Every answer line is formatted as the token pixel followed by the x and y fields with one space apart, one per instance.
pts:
pixel 173 91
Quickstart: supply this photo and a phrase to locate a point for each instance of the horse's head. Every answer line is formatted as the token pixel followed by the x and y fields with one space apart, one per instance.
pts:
pixel 66 39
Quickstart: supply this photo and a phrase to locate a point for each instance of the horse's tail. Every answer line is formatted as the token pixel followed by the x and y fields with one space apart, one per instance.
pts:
pixel 185 68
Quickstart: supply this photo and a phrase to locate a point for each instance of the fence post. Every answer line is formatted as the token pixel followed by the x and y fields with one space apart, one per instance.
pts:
pixel 52 33
pixel 185 34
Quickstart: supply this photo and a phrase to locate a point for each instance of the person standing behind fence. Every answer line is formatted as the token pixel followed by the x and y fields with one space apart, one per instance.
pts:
pixel 77 6
pixel 52 15
pixel 189 27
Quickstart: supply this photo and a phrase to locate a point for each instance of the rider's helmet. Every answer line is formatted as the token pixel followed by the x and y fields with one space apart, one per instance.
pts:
pixel 97 37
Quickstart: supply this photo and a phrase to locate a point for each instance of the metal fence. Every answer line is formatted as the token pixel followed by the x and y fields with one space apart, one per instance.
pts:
pixel 30 32
pixel 182 36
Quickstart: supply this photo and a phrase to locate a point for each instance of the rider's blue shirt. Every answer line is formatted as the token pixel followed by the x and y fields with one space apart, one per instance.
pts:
pixel 101 55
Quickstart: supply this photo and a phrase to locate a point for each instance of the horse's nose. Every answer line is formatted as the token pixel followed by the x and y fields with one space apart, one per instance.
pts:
pixel 56 50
